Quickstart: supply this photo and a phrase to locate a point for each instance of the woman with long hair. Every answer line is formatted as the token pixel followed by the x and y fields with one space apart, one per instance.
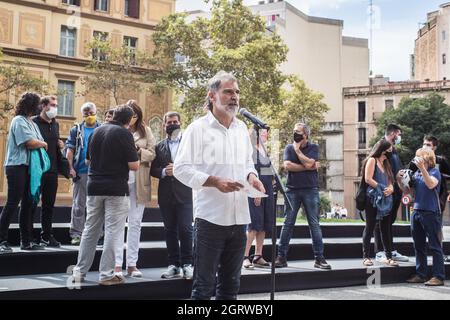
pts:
pixel 140 190
pixel 380 187
pixel 24 135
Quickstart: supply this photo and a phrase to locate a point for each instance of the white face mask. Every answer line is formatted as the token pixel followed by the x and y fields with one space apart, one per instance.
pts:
pixel 52 113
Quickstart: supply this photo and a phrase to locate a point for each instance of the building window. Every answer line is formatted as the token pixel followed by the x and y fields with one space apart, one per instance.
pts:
pixel 101 5
pixel 444 58
pixel 361 111
pixel 156 124
pixel 362 138
pixel 101 36
pixel 361 158
pixel 132 8
pixel 67 41
pixel 131 44
pixel 389 104
pixel 66 97
pixel 72 2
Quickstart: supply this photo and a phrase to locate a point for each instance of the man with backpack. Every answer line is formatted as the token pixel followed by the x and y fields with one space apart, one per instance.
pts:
pixel 76 146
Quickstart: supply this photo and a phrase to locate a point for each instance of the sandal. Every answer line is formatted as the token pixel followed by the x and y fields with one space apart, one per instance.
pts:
pixel 259 262
pixel 367 262
pixel 391 263
pixel 247 264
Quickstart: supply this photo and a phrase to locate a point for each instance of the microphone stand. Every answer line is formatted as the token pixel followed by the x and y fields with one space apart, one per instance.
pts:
pixel 278 187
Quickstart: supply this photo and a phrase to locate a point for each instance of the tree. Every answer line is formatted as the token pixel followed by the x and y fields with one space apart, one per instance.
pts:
pixel 299 104
pixel 16 79
pixel 235 40
pixel 418 117
pixel 113 71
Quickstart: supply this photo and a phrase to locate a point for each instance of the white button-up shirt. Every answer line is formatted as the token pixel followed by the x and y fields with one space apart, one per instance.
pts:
pixel 210 149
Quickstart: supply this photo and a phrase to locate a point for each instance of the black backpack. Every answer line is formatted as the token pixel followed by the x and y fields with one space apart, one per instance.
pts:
pixel 361 195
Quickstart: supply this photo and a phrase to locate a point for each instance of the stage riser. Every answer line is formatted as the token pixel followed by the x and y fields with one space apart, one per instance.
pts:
pixel 58 262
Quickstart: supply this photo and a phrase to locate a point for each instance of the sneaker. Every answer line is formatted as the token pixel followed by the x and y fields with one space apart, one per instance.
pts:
pixel 380 256
pixel 321 263
pixel 396 256
pixel 117 279
pixel 135 273
pixel 434 282
pixel 247 264
pixel 100 242
pixel 172 272
pixel 188 272
pixel 50 242
pixel 280 262
pixel 31 246
pixel 5 248
pixel 446 259
pixel 75 241
pixel 416 279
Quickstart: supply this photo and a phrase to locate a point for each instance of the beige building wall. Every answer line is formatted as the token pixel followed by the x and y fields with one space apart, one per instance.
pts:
pixel 375 98
pixel 30 31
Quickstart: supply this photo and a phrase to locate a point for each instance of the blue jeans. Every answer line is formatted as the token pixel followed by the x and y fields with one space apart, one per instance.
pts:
pixel 217 250
pixel 177 220
pixel 426 224
pixel 311 202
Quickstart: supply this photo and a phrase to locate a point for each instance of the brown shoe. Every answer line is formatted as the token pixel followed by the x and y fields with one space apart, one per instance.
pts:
pixel 434 282
pixel 117 279
pixel 416 279
pixel 280 262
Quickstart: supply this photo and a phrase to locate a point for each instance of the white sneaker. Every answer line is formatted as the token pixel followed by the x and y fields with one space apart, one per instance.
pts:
pixel 188 272
pixel 380 256
pixel 396 256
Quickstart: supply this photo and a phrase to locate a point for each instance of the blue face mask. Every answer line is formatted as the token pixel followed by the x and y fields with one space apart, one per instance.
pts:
pixel 398 140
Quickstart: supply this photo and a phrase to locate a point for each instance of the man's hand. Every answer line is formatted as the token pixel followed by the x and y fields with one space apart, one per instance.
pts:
pixel 258 202
pixel 256 183
pixel 297 146
pixel 169 170
pixel 60 144
pixel 73 173
pixel 224 185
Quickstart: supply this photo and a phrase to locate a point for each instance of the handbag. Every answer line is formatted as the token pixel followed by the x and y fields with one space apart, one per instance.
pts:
pixel 361 195
pixel 63 166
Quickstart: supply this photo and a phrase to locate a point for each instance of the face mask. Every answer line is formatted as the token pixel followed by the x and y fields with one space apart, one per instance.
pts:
pixel 398 140
pixel 90 120
pixel 170 129
pixel 133 121
pixel 298 137
pixel 52 113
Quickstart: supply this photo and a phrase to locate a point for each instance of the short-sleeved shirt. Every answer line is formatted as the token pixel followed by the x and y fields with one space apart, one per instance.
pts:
pixel 426 199
pixel 21 131
pixel 111 147
pixel 305 179
pixel 50 133
pixel 82 167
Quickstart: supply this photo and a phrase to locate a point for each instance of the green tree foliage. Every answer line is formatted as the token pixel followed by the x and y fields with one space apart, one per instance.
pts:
pixel 234 40
pixel 16 79
pixel 418 117
pixel 114 71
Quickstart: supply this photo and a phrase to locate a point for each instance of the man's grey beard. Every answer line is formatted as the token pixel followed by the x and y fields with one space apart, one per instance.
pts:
pixel 232 110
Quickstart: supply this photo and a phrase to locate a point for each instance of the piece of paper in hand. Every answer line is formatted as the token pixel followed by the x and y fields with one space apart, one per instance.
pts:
pixel 251 192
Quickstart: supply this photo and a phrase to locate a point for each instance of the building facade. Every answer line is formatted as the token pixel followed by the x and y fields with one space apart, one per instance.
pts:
pixel 432 47
pixel 327 61
pixel 50 38
pixel 362 107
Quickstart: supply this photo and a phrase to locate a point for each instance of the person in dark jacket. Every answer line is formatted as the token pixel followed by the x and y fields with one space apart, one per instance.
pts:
pixel 175 201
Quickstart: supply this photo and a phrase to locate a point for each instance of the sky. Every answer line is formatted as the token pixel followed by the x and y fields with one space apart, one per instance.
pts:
pixel 396 23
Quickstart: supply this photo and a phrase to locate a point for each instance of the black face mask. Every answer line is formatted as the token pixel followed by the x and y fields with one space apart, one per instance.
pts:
pixel 298 137
pixel 172 128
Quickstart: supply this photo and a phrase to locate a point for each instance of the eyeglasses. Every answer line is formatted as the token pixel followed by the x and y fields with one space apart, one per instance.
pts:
pixel 428 145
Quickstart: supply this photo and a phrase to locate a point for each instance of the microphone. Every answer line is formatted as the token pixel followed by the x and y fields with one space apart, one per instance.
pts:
pixel 255 120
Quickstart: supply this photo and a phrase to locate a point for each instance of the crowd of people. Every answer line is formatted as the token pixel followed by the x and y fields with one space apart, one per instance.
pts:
pixel 204 173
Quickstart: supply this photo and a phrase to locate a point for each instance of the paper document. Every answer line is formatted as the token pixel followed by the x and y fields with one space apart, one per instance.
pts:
pixel 251 192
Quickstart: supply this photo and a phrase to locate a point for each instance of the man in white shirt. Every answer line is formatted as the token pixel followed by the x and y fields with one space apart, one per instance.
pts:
pixel 215 160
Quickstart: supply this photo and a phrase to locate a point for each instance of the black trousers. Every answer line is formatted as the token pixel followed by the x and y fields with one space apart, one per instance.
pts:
pixel 18 192
pixel 49 187
pixel 385 226
pixel 393 217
